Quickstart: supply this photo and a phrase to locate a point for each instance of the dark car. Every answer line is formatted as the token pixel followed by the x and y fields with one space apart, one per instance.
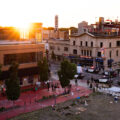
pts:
pixel 110 73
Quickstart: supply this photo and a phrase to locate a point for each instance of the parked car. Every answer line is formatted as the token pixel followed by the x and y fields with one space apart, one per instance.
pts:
pixel 110 73
pixel 92 70
pixel 104 79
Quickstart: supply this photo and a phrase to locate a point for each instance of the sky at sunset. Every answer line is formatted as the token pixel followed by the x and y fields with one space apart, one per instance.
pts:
pixel 22 12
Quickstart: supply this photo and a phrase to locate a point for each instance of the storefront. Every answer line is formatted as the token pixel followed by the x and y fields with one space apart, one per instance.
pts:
pixel 99 62
pixel 27 76
pixel 83 61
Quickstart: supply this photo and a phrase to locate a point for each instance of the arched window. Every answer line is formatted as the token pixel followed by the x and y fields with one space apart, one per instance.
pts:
pixel 117 53
pixel 91 44
pixel 73 42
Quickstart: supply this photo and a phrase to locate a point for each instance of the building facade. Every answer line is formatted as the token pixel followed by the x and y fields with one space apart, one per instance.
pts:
pixel 26 55
pixel 88 49
pixel 61 48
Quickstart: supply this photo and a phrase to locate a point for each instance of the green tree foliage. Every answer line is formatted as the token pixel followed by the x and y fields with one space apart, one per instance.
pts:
pixel 66 73
pixel 43 69
pixel 13 84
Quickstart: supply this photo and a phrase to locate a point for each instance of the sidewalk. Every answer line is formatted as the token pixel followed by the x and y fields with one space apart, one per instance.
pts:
pixel 27 101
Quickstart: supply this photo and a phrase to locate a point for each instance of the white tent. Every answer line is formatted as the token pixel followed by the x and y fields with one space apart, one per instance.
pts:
pixel 114 89
pixel 79 69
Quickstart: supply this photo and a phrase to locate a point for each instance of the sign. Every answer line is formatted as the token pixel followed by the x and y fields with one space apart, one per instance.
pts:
pixel 102 52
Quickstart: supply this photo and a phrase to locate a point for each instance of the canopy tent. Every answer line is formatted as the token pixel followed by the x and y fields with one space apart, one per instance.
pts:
pixel 114 89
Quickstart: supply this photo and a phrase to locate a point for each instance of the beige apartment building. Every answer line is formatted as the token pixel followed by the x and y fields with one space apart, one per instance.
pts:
pixel 61 48
pixel 26 54
pixel 88 49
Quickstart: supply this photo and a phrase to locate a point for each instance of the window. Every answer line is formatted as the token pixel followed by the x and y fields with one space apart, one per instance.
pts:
pixel 81 43
pixel 82 52
pixel 117 43
pixel 86 43
pixel 20 58
pixel 73 42
pixel 90 53
pixel 110 54
pixel 65 48
pixel 117 53
pixel 91 44
pixel 74 51
pixel 99 54
pixel 39 55
pixel 87 52
pixel 110 45
pixel 101 44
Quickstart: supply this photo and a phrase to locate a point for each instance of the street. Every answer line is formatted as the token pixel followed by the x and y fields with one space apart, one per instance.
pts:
pixel 81 82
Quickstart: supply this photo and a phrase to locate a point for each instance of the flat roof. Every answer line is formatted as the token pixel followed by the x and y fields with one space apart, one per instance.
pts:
pixel 15 42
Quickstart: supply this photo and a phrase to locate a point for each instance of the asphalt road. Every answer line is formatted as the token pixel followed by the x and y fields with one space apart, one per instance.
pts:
pixel 55 67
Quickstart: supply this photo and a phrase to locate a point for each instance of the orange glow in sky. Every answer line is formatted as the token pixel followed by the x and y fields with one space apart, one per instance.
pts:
pixel 20 13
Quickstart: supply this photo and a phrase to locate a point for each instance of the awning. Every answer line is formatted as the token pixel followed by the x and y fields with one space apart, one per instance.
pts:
pixel 114 89
pixel 110 60
pixel 99 60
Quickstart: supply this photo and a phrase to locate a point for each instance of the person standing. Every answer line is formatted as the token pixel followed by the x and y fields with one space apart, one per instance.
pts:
pixel 76 82
pixel 48 85
pixel 88 82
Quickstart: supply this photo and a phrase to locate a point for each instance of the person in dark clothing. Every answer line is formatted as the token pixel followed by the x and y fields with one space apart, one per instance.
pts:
pixel 48 85
pixel 88 82
pixel 91 85
pixel 92 79
pixel 96 85
pixel 76 82
pixel 52 87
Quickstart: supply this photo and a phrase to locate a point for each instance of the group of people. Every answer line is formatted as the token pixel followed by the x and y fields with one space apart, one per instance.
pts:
pixel 92 85
pixel 52 85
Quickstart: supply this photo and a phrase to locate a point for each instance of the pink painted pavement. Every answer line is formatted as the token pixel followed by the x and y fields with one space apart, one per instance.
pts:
pixel 27 100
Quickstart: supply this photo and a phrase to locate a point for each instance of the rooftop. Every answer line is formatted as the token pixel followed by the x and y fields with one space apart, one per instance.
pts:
pixel 14 42
pixel 97 35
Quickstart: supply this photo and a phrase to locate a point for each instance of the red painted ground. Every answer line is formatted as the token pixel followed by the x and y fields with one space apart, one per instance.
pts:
pixel 27 100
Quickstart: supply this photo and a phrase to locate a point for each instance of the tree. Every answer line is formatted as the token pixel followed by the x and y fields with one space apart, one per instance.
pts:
pixel 13 84
pixel 66 73
pixel 43 69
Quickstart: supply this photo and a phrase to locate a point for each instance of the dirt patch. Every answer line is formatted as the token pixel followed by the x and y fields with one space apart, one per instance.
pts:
pixel 100 107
